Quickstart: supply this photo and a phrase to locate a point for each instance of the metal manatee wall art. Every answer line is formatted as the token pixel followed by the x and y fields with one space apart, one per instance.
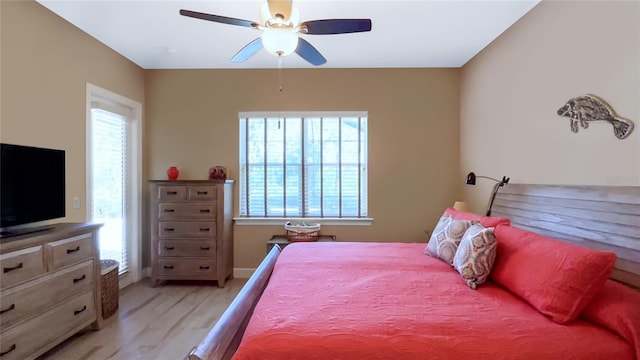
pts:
pixel 587 108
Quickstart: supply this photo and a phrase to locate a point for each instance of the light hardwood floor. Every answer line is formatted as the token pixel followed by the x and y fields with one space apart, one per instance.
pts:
pixel 162 323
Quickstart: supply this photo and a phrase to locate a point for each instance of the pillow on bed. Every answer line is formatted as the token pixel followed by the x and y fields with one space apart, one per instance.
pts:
pixel 557 278
pixel 486 221
pixel 617 308
pixel 446 237
pixel 475 255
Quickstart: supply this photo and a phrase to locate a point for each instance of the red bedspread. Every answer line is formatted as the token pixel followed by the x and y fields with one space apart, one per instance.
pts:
pixel 390 301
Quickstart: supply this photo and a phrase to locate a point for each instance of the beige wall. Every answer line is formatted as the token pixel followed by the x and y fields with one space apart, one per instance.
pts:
pixel 192 123
pixel 506 99
pixel 511 91
pixel 46 63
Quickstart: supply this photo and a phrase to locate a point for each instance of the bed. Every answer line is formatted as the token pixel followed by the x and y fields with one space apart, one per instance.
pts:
pixel 544 298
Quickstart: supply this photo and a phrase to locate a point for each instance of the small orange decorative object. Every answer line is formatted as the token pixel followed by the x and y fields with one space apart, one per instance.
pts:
pixel 173 173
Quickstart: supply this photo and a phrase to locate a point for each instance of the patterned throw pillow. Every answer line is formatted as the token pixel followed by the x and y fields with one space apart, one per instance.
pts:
pixel 446 237
pixel 432 246
pixel 476 254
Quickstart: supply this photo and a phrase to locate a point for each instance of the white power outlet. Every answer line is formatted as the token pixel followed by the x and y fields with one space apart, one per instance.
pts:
pixel 76 202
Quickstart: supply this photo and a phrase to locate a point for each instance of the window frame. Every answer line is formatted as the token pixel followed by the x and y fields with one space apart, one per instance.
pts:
pixel 273 220
pixel 107 98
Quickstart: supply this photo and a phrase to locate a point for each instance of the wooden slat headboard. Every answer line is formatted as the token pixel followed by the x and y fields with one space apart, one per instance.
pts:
pixel 600 217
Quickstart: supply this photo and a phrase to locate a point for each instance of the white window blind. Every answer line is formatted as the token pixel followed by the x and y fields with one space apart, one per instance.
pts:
pixel 109 185
pixel 303 165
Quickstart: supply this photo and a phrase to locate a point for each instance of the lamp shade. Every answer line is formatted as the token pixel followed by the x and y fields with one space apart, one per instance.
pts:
pixel 460 206
pixel 280 41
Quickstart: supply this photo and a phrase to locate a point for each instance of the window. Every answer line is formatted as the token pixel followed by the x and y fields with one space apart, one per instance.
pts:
pixel 113 175
pixel 303 165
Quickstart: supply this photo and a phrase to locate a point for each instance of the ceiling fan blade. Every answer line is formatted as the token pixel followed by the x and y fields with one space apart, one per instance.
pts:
pixel 336 26
pixel 280 9
pixel 218 18
pixel 309 53
pixel 248 51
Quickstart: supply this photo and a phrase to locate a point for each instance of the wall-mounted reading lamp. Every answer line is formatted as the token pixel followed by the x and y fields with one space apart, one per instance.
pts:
pixel 471 180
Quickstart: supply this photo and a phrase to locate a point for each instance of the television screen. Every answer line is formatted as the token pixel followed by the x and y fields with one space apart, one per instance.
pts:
pixel 32 182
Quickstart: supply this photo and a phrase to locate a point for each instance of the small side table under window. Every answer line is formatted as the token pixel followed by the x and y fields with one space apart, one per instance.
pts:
pixel 283 241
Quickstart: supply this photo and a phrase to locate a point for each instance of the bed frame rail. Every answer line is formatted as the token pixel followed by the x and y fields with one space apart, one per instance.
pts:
pixel 223 339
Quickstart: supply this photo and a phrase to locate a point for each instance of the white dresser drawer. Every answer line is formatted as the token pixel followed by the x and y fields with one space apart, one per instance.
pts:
pixel 19 266
pixel 201 192
pixel 23 301
pixel 24 339
pixel 69 251
pixel 187 211
pixel 171 193
pixel 173 229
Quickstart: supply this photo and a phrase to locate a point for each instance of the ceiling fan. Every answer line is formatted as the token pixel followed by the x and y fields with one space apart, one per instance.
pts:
pixel 280 23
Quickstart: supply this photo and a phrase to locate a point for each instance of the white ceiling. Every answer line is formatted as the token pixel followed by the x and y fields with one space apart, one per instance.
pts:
pixel 418 33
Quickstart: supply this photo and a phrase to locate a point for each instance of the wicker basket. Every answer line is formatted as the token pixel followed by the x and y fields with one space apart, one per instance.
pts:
pixel 109 287
pixel 296 233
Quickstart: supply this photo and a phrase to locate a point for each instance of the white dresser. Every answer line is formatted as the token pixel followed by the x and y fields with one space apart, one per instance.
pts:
pixel 191 230
pixel 49 288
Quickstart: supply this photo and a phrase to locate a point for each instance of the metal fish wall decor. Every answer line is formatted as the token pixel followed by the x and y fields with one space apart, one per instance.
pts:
pixel 587 108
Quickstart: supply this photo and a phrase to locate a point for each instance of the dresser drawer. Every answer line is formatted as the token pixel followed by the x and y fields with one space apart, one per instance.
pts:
pixel 186 267
pixel 21 265
pixel 186 248
pixel 201 192
pixel 171 193
pixel 172 229
pixel 69 251
pixel 27 299
pixel 187 210
pixel 24 339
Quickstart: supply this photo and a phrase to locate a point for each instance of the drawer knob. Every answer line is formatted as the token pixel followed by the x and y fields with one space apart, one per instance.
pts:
pixel 169 247
pixel 79 311
pixel 203 192
pixel 168 267
pixel 204 229
pixel 11 348
pixel 204 267
pixel 172 193
pixel 7 269
pixel 80 278
pixel 169 229
pixel 205 211
pixel 204 248
pixel 77 248
pixel 11 307
pixel 169 210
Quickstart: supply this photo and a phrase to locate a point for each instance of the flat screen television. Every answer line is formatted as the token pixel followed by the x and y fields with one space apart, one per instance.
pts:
pixel 32 188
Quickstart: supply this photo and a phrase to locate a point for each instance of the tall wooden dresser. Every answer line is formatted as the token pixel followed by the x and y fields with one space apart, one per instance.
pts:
pixel 49 288
pixel 191 230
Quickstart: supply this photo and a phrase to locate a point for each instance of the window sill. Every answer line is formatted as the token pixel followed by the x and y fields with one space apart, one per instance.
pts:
pixel 242 221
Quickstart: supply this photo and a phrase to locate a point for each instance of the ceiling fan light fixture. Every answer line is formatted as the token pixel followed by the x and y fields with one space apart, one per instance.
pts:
pixel 280 41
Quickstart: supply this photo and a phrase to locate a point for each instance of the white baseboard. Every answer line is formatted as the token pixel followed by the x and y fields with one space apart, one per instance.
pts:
pixel 238 273
pixel 243 273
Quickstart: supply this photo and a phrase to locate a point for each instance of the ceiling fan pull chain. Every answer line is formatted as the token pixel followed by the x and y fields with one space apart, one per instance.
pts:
pixel 280 89
pixel 280 73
